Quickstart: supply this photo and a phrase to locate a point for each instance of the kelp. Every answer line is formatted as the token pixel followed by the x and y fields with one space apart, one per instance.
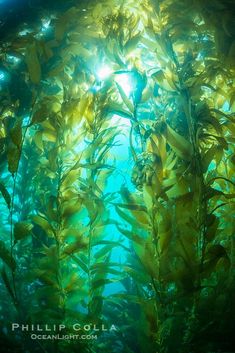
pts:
pixel 161 236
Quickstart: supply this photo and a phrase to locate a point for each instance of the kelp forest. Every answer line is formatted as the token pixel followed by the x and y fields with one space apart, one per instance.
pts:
pixel 117 184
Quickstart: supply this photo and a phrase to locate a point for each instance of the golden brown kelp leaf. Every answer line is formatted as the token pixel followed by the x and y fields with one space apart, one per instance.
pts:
pixel 71 208
pixel 101 282
pixel 157 144
pixel 104 251
pixel 139 215
pixel 212 223
pixel 132 235
pixel 147 256
pixel 53 159
pixel 22 230
pixel 45 49
pixel 179 144
pixel 86 108
pixel 149 197
pixel 63 22
pixel 49 261
pixel 138 210
pixel 16 134
pixel 179 187
pixel 105 268
pixel 125 99
pixel 165 231
pixel 150 312
pixel 96 304
pixel 213 254
pixel 13 157
pixel 14 147
pixel 6 256
pixel 132 43
pixel 5 194
pixel 72 283
pixel 81 262
pixel 125 216
pixel 60 28
pixel 178 271
pixel 40 115
pixel 213 153
pixel 33 63
pixel 44 224
pixel 74 247
pixel 48 278
pixel 164 80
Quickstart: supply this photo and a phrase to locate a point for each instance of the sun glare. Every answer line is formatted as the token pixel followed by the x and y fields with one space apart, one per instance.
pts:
pixel 124 80
pixel 104 72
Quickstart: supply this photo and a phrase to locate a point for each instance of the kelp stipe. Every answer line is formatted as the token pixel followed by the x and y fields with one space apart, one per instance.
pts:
pixel 86 240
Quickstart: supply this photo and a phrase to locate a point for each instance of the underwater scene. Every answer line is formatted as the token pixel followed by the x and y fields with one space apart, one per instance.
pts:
pixel 117 176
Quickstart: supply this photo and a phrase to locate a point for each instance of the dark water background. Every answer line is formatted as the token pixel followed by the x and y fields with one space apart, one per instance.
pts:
pixel 15 12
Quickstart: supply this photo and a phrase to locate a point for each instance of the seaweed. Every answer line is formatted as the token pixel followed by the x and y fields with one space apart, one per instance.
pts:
pixel 117 179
